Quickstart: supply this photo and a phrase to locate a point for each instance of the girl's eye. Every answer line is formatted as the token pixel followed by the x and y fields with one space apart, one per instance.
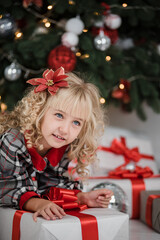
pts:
pixel 59 115
pixel 77 123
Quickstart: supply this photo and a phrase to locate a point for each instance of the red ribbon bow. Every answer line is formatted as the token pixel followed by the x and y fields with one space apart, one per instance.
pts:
pixel 65 198
pixel 120 148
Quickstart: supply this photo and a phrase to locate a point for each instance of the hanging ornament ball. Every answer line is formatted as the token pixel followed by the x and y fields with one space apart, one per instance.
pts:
pixel 112 34
pixel 69 39
pixel 113 21
pixel 7 26
pixel 62 56
pixel 12 72
pixel 102 42
pixel 74 25
pixel 119 200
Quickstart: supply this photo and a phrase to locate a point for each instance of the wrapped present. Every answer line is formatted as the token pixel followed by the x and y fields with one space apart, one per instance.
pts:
pixel 122 151
pixel 92 223
pixel 150 209
pixel 131 187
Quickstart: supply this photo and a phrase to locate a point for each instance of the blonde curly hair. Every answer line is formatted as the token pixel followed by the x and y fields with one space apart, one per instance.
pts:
pixel 81 98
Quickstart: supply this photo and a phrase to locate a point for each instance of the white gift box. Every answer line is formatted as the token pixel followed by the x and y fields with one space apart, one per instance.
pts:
pixel 132 189
pixel 112 225
pixel 109 161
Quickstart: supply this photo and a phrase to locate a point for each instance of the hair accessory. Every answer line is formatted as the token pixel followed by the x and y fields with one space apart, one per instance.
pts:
pixel 51 80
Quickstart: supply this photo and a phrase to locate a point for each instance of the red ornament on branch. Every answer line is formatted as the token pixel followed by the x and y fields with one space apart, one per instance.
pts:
pixel 62 56
pixel 38 3
pixel 122 91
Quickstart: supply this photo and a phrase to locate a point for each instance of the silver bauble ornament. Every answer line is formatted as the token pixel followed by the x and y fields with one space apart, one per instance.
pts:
pixel 7 26
pixel 119 200
pixel 12 72
pixel 102 42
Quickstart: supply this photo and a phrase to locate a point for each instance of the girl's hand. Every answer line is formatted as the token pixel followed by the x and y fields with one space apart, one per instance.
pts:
pixel 45 208
pixel 96 198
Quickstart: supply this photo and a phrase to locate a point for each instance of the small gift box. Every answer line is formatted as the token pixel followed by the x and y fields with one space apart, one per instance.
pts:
pixel 150 209
pixel 131 187
pixel 92 223
pixel 122 151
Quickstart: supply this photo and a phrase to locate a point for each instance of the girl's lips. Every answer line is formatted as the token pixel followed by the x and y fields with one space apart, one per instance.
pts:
pixel 58 137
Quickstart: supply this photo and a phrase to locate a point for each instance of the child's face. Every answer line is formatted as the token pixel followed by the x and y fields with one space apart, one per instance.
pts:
pixel 59 128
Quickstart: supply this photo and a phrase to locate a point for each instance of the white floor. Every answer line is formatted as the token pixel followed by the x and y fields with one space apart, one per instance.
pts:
pixel 139 231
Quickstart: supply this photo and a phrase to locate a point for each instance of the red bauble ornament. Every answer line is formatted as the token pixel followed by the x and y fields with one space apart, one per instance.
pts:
pixel 62 56
pixel 38 3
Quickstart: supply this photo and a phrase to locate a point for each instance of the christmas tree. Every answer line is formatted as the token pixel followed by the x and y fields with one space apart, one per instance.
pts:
pixel 114 43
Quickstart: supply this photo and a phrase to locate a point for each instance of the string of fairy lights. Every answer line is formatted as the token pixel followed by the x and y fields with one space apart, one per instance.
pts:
pixel 47 22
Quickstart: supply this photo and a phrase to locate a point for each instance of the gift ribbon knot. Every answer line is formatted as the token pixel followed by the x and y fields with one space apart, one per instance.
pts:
pixel 65 198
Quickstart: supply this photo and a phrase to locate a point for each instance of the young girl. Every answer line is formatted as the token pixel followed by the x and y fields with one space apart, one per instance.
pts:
pixel 57 121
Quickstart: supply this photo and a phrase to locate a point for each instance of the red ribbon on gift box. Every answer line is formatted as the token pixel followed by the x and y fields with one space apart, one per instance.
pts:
pixel 149 209
pixel 120 148
pixel 67 199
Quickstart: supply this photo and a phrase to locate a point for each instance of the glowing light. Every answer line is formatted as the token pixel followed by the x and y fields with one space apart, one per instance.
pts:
pixel 124 5
pixel 78 54
pixel 47 24
pixel 45 20
pixel 102 100
pixel 3 107
pixel 85 56
pixel 1 16
pixel 96 13
pixel 71 2
pixel 18 35
pixel 85 30
pixel 108 58
pixel 121 86
pixel 50 7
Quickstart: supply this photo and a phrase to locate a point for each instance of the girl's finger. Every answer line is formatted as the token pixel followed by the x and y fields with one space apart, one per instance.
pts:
pixel 105 198
pixel 50 213
pixel 102 202
pixel 62 211
pixel 57 212
pixel 35 215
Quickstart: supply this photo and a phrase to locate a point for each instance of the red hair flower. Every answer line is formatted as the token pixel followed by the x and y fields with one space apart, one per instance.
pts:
pixel 51 80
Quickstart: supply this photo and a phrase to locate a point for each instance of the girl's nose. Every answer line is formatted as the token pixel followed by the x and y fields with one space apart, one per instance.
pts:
pixel 64 128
